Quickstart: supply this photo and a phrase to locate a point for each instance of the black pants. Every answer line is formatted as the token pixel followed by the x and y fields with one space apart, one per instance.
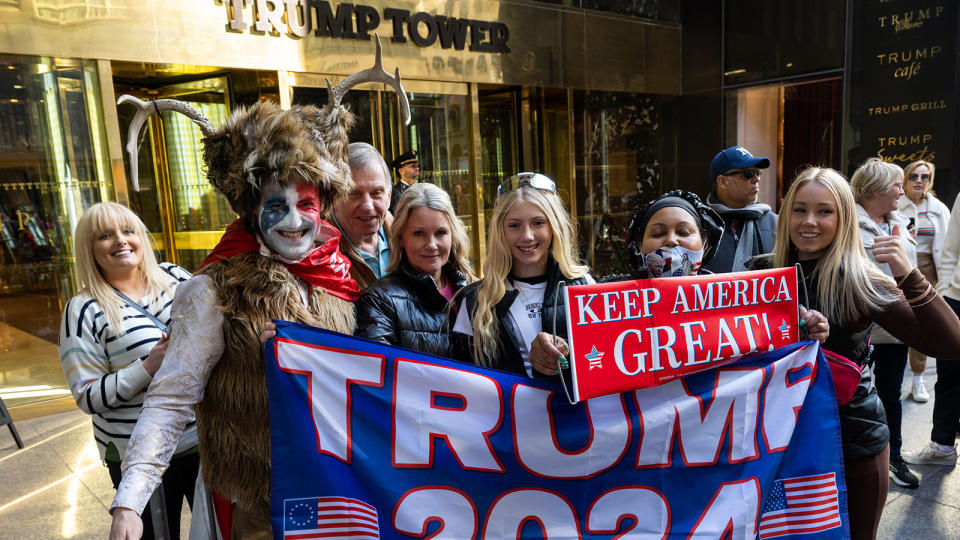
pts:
pixel 178 482
pixel 889 362
pixel 946 399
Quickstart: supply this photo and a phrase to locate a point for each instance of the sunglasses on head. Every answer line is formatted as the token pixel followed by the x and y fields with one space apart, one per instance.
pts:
pixel 921 177
pixel 534 180
pixel 746 173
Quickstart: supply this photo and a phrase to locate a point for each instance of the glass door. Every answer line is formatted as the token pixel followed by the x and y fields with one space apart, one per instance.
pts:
pixel 175 200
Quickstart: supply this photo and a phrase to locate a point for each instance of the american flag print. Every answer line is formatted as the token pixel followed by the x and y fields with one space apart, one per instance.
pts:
pixel 329 518
pixel 802 505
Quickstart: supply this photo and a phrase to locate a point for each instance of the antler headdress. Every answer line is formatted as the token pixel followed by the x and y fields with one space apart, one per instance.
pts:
pixel 264 142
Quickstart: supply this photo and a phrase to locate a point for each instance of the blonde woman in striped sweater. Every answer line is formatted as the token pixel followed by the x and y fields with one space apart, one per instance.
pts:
pixel 110 350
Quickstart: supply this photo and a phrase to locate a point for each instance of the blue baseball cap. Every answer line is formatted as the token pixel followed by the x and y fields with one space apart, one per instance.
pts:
pixel 735 157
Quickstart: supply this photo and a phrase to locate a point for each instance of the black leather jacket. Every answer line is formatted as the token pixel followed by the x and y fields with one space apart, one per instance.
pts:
pixel 508 357
pixel 404 308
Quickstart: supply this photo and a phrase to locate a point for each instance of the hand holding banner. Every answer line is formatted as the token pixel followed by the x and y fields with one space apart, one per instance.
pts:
pixel 642 333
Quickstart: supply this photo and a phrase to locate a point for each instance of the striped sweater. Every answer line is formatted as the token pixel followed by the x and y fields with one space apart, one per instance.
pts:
pixel 104 369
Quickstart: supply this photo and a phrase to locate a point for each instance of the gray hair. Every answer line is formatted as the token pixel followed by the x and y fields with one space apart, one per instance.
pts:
pixel 363 155
pixel 427 195
pixel 875 176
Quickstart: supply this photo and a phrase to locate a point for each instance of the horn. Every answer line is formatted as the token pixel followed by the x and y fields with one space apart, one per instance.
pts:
pixel 147 108
pixel 374 74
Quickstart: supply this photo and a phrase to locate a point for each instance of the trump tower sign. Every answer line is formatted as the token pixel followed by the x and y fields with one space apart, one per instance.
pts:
pixel 373 441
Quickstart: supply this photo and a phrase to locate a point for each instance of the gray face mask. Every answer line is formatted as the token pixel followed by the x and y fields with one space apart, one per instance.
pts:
pixel 672 262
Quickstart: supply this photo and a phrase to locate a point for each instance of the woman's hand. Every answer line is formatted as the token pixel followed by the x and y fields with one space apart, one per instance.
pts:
pixel 817 326
pixel 269 331
pixel 545 355
pixel 889 249
pixel 155 357
pixel 126 525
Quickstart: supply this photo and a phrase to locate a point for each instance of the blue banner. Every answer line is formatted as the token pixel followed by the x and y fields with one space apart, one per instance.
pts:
pixel 373 441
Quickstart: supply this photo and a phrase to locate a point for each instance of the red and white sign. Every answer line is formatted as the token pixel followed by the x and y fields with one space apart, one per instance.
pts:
pixel 642 333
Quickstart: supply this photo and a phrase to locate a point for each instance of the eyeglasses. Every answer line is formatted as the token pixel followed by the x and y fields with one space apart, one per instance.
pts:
pixel 921 177
pixel 534 180
pixel 749 174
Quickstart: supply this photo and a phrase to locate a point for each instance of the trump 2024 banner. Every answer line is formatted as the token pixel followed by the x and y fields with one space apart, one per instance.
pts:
pixel 372 441
pixel 641 333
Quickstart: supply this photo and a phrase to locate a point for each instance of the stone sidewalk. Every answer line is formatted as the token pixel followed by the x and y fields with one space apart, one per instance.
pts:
pixel 57 488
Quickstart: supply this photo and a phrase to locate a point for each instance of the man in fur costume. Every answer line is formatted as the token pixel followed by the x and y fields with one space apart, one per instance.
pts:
pixel 278 169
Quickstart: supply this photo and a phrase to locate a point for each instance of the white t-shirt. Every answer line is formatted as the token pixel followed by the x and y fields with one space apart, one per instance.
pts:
pixel 526 313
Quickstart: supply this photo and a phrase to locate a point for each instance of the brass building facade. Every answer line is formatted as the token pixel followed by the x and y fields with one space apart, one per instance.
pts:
pixel 578 91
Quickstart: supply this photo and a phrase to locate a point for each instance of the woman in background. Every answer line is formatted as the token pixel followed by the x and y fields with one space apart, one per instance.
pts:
pixel 113 338
pixel 930 217
pixel 877 189
pixel 507 319
pixel 428 266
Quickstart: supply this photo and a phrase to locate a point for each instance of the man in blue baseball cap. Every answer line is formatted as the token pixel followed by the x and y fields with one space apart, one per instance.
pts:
pixel 750 227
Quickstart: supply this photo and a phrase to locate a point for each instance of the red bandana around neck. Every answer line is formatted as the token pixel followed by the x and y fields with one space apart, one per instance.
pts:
pixel 324 267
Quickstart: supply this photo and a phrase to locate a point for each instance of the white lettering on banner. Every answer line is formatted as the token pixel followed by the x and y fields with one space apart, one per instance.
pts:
pixel 718 294
pixel 733 512
pixel 452 507
pixel 609 435
pixel 418 420
pixel 616 305
pixel 647 507
pixel 330 372
pixel 464 408
pixel 618 353
pixel 788 396
pixel 512 510
pixel 733 409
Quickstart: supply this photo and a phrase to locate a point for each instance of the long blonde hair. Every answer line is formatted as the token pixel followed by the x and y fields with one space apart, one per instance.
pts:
pixel 100 218
pixel 499 262
pixel 430 196
pixel 849 285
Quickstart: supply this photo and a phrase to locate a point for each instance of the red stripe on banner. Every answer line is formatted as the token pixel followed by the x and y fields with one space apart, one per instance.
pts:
pixel 347 534
pixel 360 511
pixel 327 500
pixel 826 513
pixel 802 529
pixel 348 516
pixel 345 525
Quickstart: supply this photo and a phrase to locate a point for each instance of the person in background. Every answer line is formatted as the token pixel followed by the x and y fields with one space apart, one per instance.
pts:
pixel 110 348
pixel 877 188
pixel 507 319
pixel 942 448
pixel 822 235
pixel 750 226
pixel 408 174
pixel 362 216
pixel 930 217
pixel 428 266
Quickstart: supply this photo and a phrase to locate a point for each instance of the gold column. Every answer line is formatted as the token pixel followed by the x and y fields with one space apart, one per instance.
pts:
pixel 111 126
pixel 164 194
pixel 285 89
pixel 476 176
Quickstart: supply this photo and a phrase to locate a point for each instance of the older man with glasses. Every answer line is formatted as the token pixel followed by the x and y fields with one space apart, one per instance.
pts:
pixel 750 227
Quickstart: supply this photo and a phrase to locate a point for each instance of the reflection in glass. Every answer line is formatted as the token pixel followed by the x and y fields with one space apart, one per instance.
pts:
pixel 53 164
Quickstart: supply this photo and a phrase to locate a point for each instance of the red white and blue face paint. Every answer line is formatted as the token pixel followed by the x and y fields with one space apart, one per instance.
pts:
pixel 288 217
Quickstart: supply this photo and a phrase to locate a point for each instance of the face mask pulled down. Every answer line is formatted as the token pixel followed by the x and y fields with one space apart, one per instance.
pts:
pixel 676 261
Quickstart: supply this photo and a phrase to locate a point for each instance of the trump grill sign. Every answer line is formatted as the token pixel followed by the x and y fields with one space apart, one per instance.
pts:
pixel 642 333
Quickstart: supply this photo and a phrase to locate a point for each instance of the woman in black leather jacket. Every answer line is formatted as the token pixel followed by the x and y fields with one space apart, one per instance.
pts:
pixel 428 266
pixel 506 320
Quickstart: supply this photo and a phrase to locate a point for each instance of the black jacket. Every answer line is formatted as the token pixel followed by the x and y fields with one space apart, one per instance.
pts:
pixel 404 308
pixel 722 261
pixel 508 357
pixel 863 422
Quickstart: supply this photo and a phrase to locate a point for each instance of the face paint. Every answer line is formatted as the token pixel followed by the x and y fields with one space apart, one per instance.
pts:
pixel 288 217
